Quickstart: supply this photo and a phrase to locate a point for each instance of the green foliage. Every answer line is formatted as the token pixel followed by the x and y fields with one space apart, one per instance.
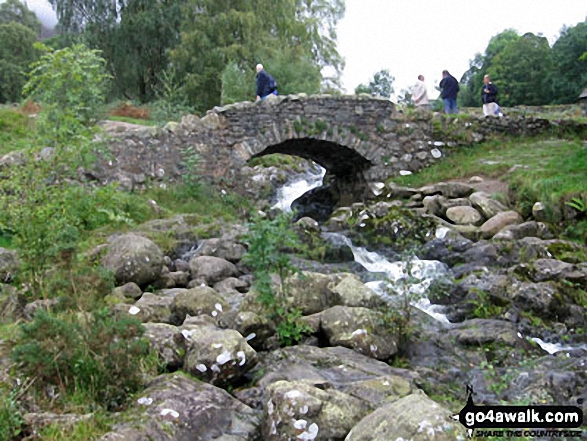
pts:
pixel 380 85
pixel 86 429
pixel 222 41
pixel 17 131
pixel 17 52
pixel 70 85
pixel 569 76
pixel 171 102
pixel 10 416
pixel 268 241
pixel 14 11
pixel 97 356
pixel 522 70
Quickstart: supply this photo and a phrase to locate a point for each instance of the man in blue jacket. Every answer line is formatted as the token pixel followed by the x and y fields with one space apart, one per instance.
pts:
pixel 265 84
pixel 489 97
pixel 450 89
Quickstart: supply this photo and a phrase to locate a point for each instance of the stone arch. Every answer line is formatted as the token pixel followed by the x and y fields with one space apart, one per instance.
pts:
pixel 338 160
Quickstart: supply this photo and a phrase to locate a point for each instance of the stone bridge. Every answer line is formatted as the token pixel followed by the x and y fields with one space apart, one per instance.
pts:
pixel 357 139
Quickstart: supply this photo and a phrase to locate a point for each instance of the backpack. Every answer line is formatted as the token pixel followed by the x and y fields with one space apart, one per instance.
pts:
pixel 272 83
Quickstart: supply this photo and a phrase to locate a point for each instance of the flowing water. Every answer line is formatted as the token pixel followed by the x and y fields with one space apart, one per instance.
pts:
pixel 297 187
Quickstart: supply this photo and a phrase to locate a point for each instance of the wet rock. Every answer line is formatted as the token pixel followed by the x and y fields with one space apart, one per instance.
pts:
pixel 9 265
pixel 464 215
pixel 448 250
pixel 415 417
pixel 353 292
pixel 498 222
pixel 134 258
pixel 212 269
pixel 359 329
pixel 198 301
pixel 217 356
pixel 174 407
pixel 482 331
pixel 301 410
pixel 167 342
pixel 486 204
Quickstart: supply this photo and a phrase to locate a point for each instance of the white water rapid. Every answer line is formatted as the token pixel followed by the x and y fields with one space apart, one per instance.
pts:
pixel 297 187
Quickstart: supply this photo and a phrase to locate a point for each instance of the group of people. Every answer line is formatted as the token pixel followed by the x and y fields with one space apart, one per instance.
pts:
pixel 449 87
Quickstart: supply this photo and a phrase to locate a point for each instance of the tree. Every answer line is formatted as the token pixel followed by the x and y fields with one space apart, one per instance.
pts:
pixel 380 85
pixel 135 37
pixel 16 54
pixel 569 56
pixel 470 96
pixel 69 84
pixel 14 11
pixel 521 72
pixel 221 33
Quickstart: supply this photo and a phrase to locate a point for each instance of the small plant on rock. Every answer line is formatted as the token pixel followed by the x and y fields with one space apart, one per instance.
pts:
pixel 269 241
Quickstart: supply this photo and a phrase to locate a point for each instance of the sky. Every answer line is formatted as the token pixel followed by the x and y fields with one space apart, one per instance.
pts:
pixel 412 37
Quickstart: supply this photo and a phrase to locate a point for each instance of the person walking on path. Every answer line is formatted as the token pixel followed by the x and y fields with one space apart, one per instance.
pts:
pixel 489 97
pixel 450 89
pixel 265 84
pixel 420 94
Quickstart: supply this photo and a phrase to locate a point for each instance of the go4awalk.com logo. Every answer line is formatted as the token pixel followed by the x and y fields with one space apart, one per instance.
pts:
pixel 520 421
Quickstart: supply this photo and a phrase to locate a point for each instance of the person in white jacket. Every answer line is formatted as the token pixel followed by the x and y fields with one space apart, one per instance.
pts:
pixel 420 94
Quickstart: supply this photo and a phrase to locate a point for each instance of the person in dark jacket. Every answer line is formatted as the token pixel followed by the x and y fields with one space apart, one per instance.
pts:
pixel 489 97
pixel 450 89
pixel 264 84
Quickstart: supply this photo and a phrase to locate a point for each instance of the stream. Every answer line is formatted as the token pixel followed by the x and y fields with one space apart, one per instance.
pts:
pixel 392 278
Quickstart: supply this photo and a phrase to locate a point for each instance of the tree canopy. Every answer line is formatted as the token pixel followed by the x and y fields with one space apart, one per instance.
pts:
pixel 381 85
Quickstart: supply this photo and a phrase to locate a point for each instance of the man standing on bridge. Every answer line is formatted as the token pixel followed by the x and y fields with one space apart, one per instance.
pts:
pixel 450 89
pixel 266 84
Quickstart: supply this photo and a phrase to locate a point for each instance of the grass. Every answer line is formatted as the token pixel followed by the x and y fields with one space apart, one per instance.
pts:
pixel 16 130
pixel 127 119
pixel 547 169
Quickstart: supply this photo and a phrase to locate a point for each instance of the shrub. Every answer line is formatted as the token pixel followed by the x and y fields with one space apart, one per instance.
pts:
pixel 97 356
pixel 268 242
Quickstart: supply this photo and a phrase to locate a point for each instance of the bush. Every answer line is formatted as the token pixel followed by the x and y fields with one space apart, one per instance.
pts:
pixel 268 242
pixel 70 86
pixel 97 356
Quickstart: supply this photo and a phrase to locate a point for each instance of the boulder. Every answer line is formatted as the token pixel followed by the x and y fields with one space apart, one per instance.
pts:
pixel 464 215
pixel 217 356
pixel 359 329
pixel 498 222
pixel 212 269
pixel 134 258
pixel 167 342
pixel 174 407
pixel 9 265
pixel 353 292
pixel 486 204
pixel 311 292
pixel 256 328
pixel 451 190
pixel 198 301
pixel 415 417
pixel 224 249
pixel 340 368
pixel 301 410
pixel 154 308
pixel 128 291
pixel 482 331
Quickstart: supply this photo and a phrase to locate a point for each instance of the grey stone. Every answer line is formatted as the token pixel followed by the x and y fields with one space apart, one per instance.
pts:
pixel 212 269
pixel 464 215
pixel 134 258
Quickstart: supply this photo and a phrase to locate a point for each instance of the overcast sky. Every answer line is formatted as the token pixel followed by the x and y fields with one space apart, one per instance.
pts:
pixel 412 37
